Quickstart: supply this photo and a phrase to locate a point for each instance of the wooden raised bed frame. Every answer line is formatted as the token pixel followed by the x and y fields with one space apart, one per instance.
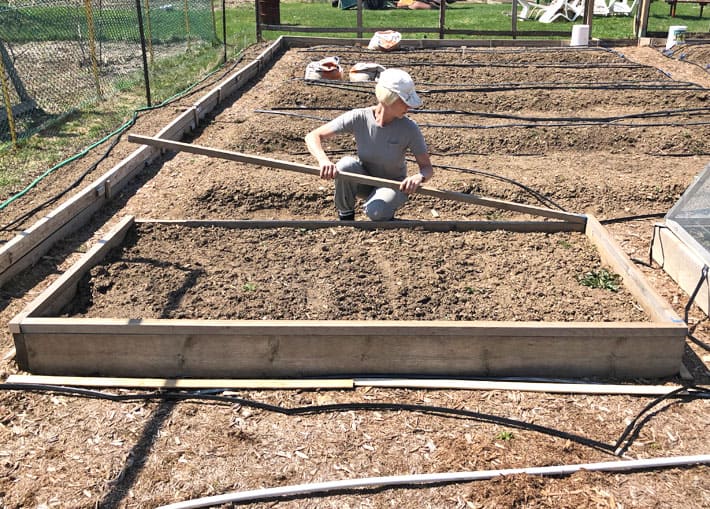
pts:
pixel 172 348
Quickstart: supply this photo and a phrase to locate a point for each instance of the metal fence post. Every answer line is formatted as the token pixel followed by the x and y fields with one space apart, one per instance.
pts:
pixel 146 78
pixel 359 19
pixel 224 28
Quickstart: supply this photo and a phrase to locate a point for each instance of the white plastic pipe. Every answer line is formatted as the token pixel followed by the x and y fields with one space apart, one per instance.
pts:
pixel 492 385
pixel 302 489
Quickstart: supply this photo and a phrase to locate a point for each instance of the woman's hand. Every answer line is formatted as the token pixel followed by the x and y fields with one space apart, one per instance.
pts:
pixel 328 170
pixel 411 183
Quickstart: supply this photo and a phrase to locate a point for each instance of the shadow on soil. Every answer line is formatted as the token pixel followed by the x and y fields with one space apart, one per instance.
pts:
pixel 137 457
pixel 49 263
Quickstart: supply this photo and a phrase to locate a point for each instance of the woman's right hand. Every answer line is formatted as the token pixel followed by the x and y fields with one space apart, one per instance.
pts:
pixel 328 170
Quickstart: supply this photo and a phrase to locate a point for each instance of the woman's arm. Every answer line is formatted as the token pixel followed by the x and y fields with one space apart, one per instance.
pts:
pixel 426 172
pixel 314 143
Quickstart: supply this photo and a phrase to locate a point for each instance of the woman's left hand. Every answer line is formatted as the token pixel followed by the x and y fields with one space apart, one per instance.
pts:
pixel 411 183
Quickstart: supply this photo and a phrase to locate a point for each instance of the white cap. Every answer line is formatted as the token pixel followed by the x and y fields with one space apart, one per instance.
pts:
pixel 401 83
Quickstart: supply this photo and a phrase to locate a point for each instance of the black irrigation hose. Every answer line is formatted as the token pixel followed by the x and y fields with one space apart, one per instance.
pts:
pixel 565 124
pixel 683 57
pixel 517 65
pixel 634 427
pixel 650 114
pixel 506 87
pixel 313 409
pixel 483 114
pixel 538 196
pixel 698 342
pixel 681 86
pixel 543 123
pixel 630 432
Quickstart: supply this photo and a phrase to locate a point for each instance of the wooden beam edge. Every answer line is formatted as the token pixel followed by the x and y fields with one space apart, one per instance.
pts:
pixel 327 328
pixel 430 225
pixel 183 383
pixel 633 279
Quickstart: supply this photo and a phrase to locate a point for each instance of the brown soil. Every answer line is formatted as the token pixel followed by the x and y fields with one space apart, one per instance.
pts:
pixel 58 450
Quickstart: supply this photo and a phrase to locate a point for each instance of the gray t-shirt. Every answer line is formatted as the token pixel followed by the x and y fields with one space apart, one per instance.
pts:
pixel 381 149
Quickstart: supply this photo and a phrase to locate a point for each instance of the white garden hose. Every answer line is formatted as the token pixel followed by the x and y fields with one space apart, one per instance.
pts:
pixel 479 475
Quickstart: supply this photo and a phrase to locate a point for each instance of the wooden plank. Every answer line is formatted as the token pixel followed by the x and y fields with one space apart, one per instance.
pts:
pixel 438 226
pixel 613 255
pixel 37 252
pixel 328 328
pixel 183 123
pixel 411 30
pixel 301 41
pixel 681 264
pixel 341 349
pixel 24 242
pixel 363 179
pixel 57 295
pixel 183 383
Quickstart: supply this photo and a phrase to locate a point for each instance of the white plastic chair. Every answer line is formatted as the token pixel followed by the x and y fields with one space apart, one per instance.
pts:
pixel 529 10
pixel 574 9
pixel 622 7
pixel 556 9
pixel 601 8
pixel 567 9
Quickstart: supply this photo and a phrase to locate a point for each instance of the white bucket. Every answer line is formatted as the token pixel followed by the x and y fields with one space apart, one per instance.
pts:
pixel 676 34
pixel 580 35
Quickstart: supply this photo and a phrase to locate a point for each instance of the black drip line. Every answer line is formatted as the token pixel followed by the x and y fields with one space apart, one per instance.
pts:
pixel 632 430
pixel 650 114
pixel 532 123
pixel 506 87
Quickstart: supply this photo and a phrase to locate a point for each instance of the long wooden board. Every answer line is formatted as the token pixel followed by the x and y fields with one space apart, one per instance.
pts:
pixel 255 349
pixel 363 179
pixel 437 226
pixel 184 383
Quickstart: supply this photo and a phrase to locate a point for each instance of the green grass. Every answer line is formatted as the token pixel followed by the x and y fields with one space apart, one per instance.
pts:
pixel 470 16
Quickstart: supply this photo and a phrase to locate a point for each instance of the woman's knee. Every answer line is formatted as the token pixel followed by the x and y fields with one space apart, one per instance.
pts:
pixel 380 210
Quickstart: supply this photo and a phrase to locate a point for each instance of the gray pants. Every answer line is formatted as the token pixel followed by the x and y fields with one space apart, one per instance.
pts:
pixel 380 202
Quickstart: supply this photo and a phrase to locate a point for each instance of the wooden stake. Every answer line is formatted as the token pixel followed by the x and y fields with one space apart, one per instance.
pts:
pixel 363 179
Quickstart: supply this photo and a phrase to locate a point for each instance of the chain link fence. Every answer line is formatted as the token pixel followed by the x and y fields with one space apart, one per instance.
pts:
pixel 59 55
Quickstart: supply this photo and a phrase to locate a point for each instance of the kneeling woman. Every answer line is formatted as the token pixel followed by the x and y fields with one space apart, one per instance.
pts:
pixel 383 135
